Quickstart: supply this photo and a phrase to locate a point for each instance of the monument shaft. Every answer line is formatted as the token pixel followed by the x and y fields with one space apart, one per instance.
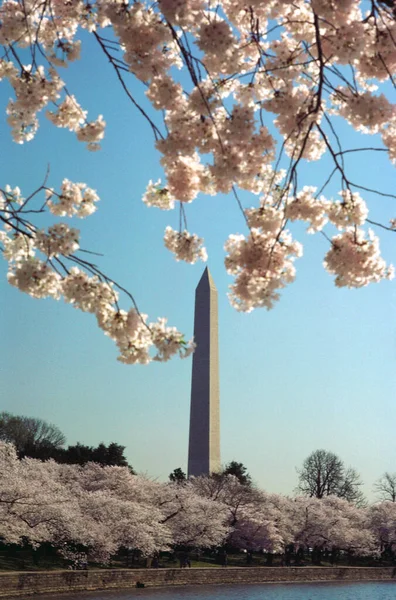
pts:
pixel 204 442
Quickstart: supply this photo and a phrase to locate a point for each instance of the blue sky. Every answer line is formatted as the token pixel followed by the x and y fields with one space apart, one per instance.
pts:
pixel 318 371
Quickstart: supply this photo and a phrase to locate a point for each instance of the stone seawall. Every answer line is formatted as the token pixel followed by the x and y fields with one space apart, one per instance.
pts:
pixel 23 584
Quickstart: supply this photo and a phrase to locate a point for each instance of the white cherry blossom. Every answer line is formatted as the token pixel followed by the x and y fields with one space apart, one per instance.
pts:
pixel 355 260
pixel 185 246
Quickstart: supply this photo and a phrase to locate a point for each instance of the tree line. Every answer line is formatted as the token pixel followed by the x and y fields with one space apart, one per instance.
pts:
pixel 102 510
pixel 322 474
pixel 35 438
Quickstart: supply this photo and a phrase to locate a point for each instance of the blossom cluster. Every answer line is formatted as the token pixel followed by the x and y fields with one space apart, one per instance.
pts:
pixel 263 262
pixel 158 196
pixel 34 90
pixel 74 199
pixel 60 239
pixel 305 207
pixel 356 260
pixel 184 245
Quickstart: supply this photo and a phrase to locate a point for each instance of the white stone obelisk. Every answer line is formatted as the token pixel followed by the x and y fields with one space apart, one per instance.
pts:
pixel 204 442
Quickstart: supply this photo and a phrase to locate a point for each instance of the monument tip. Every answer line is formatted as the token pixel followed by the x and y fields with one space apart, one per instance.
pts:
pixel 206 277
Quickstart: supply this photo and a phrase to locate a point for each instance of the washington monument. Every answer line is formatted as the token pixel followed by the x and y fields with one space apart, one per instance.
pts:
pixel 204 443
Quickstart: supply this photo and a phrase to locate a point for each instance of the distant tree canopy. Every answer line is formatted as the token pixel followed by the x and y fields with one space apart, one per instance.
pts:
pixel 232 468
pixel 386 487
pixel 177 476
pixel 29 434
pixel 36 438
pixel 324 474
pixel 79 454
pixel 239 471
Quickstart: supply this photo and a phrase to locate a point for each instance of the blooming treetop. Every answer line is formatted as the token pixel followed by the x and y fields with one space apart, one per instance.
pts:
pixel 331 522
pixel 195 521
pixel 382 518
pixel 263 84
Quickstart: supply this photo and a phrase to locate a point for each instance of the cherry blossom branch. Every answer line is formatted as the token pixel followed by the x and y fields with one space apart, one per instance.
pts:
pixel 381 225
pixel 117 68
pixel 133 336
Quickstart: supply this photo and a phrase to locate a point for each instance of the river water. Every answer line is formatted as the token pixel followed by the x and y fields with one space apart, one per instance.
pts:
pixel 306 591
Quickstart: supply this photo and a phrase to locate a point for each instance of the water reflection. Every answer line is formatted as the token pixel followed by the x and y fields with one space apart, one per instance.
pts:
pixel 318 591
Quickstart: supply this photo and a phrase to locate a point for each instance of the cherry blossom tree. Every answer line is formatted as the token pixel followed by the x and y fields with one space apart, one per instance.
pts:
pixel 34 504
pixel 330 523
pixel 120 510
pixel 262 89
pixel 251 516
pixel 383 524
pixel 194 521
pixel 228 490
pixel 259 526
